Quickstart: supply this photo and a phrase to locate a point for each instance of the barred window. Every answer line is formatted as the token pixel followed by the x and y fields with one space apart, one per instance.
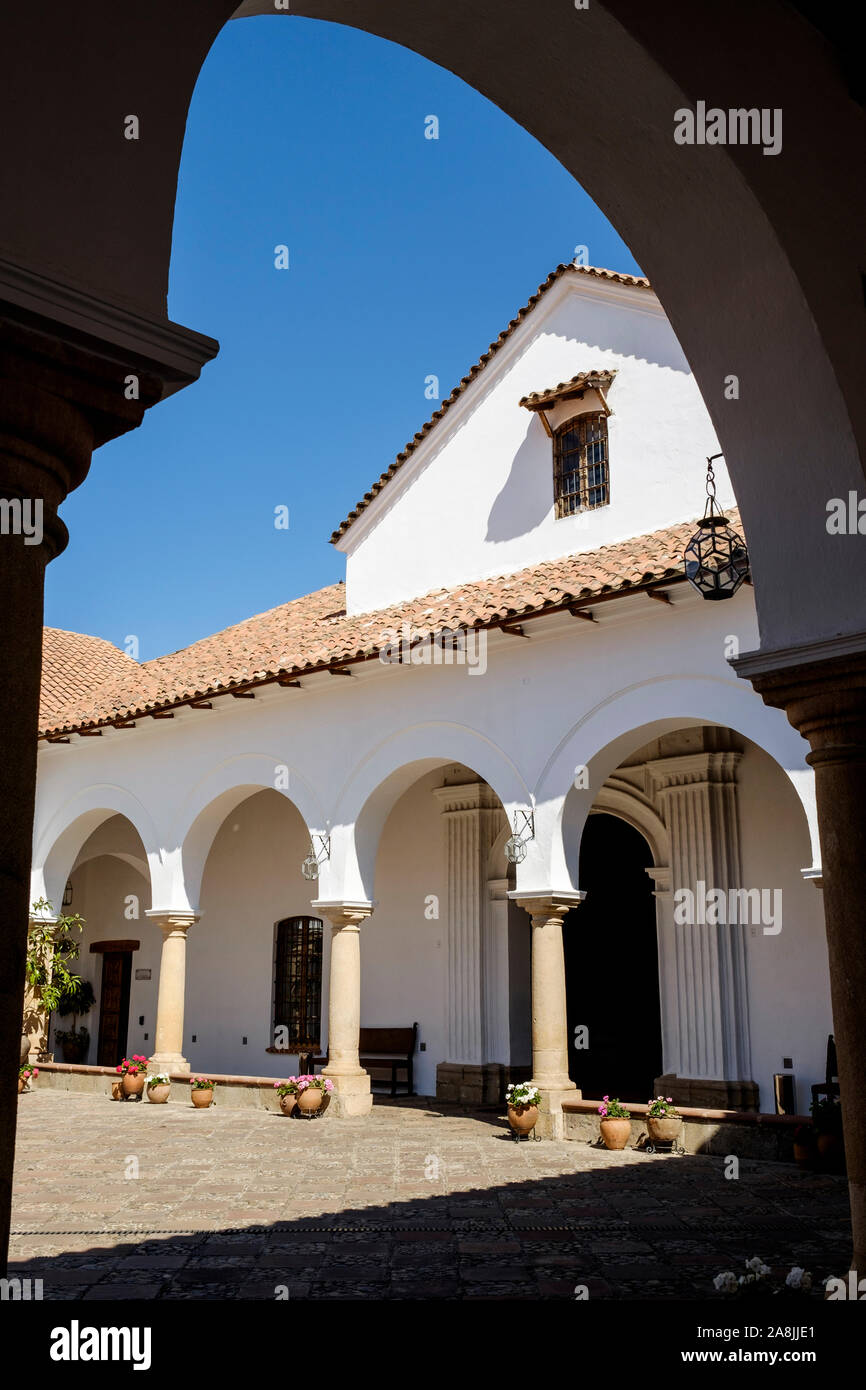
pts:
pixel 580 464
pixel 298 980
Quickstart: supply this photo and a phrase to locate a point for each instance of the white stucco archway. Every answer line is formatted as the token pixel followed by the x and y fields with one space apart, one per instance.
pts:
pixel 603 737
pixel 382 776
pixel 58 843
pixel 205 808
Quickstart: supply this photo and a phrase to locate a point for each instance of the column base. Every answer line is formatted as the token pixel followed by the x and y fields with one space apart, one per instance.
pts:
pixel 704 1094
pixel 551 1122
pixel 167 1062
pixel 470 1083
pixel 351 1095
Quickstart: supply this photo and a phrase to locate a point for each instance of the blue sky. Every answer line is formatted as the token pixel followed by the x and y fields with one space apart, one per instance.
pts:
pixel 407 258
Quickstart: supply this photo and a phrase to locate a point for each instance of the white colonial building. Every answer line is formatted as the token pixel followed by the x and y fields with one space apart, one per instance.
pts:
pixel 516 655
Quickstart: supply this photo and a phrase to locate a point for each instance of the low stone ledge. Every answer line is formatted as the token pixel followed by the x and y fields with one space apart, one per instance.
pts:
pixel 237 1092
pixel 744 1133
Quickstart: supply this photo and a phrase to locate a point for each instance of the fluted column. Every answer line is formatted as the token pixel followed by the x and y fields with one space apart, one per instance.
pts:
pixel 472 818
pixel 549 1014
pixel 171 997
pixel 696 795
pixel 352 1094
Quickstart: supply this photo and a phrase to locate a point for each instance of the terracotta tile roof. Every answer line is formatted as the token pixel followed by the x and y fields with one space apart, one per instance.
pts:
pixel 568 268
pixel 314 633
pixel 584 381
pixel 74 666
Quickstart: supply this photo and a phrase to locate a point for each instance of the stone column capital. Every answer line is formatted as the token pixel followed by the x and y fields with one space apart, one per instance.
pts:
pixel 173 919
pixel 824 699
pixel 691 769
pixel 552 906
pixel 344 914
pixel 467 796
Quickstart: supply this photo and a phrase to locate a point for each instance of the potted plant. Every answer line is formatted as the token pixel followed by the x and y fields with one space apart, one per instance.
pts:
pixel 663 1121
pixel 804 1146
pixel 827 1119
pixel 288 1094
pixel 25 1076
pixel 51 945
pixel 312 1091
pixel 132 1075
pixel 75 1041
pixel 201 1091
pixel 615 1123
pixel 158 1088
pixel 523 1100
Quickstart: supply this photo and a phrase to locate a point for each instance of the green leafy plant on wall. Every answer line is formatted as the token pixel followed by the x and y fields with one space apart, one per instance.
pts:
pixel 51 947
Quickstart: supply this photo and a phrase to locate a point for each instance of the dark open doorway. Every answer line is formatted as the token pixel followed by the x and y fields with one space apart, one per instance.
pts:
pixel 611 965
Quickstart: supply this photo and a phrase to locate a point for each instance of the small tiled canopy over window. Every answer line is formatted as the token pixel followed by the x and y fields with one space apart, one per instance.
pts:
pixel 580 472
pixel 581 479
pixel 298 981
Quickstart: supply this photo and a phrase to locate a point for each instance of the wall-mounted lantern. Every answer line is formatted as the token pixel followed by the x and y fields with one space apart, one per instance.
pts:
pixel 320 850
pixel 524 831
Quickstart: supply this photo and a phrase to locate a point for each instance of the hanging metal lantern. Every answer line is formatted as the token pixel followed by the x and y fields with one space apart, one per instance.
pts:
pixel 515 850
pixel 524 830
pixel 310 866
pixel 716 558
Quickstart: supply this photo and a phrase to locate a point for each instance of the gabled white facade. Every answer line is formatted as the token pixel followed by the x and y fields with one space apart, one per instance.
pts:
pixel 476 498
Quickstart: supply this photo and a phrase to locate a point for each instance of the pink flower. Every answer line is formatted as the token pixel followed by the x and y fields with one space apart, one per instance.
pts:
pixel 120 1068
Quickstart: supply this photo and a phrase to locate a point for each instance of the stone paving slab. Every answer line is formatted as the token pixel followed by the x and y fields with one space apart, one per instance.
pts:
pixel 417 1201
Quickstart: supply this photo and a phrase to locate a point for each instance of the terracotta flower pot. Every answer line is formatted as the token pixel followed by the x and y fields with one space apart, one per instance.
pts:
pixel 117 1090
pixel 133 1085
pixel 802 1155
pixel 288 1103
pixel 615 1133
pixel 158 1095
pixel 21 1084
pixel 73 1051
pixel 523 1118
pixel 310 1099
pixel 664 1129
pixel 201 1098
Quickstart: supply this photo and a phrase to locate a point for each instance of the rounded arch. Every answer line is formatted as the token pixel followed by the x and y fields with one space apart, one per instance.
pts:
pixel 58 843
pixel 208 804
pixel 386 772
pixel 604 736
pixel 624 802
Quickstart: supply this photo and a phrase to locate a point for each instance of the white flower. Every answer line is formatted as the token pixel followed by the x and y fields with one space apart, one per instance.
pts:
pixel 757 1266
pixel 726 1282
pixel 799 1278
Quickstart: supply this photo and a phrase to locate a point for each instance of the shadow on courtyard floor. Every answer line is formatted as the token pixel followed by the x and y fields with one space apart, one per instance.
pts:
pixel 496 1220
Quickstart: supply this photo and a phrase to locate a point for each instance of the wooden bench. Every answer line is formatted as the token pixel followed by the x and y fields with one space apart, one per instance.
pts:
pixel 386 1049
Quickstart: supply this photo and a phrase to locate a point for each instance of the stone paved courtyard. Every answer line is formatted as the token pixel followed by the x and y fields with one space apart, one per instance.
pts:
pixel 416 1201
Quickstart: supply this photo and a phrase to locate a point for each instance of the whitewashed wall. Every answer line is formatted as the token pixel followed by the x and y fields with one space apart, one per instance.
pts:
pixel 476 498
pixel 788 974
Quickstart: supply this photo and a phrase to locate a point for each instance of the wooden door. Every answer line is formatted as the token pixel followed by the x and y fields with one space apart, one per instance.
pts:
pixel 114 1008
